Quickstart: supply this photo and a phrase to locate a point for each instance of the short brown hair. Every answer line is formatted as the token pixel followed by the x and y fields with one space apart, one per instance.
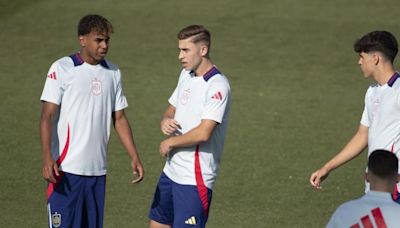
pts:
pixel 94 22
pixel 198 33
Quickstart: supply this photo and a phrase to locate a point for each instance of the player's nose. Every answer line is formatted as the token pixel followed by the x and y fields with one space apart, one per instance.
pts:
pixel 180 56
pixel 104 45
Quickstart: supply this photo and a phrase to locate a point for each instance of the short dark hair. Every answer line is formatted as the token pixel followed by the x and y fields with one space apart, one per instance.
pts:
pixel 383 164
pixel 381 41
pixel 198 33
pixel 94 22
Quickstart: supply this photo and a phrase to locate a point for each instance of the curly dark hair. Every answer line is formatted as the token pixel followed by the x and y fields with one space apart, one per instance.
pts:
pixel 380 41
pixel 94 22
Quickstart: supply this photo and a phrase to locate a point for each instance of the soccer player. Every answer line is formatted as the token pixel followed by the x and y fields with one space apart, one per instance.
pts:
pixel 196 122
pixel 82 96
pixel 376 206
pixel 380 123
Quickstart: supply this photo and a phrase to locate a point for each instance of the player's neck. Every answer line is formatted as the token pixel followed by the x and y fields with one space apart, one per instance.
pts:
pixel 87 58
pixel 383 75
pixel 203 67
pixel 384 186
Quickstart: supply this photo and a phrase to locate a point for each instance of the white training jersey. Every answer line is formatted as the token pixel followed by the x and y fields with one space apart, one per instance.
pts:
pixel 382 117
pixel 196 99
pixel 374 209
pixel 86 95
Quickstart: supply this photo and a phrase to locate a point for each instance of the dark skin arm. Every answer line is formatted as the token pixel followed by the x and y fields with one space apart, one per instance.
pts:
pixel 123 129
pixel 50 167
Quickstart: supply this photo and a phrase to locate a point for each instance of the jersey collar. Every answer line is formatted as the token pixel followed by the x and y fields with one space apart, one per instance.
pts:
pixel 393 79
pixel 77 59
pixel 210 73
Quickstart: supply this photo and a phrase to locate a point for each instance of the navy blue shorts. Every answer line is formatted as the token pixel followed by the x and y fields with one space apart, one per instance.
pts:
pixel 76 201
pixel 179 205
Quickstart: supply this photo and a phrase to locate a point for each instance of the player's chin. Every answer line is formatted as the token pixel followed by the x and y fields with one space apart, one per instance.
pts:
pixel 186 66
pixel 101 55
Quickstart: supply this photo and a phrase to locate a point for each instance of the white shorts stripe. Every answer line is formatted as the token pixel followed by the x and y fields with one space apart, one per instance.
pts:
pixel 49 212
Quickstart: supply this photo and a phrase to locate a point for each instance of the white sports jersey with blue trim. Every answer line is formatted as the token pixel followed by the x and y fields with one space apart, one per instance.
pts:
pixel 382 117
pixel 195 99
pixel 374 209
pixel 87 95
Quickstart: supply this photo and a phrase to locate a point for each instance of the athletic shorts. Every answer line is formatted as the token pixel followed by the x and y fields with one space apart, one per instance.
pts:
pixel 179 205
pixel 76 201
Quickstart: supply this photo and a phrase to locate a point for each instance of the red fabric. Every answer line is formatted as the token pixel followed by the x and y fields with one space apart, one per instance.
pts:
pixel 379 220
pixel 201 187
pixel 366 222
pixel 52 186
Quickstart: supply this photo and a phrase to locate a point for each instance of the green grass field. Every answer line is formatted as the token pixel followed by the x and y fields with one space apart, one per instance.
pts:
pixel 297 98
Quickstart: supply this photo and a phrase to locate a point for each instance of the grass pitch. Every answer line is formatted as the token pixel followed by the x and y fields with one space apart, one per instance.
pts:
pixel 297 98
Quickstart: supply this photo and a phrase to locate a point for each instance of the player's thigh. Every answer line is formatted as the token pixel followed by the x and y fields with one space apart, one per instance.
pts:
pixel 65 200
pixel 162 208
pixel 189 209
pixel 154 224
pixel 94 201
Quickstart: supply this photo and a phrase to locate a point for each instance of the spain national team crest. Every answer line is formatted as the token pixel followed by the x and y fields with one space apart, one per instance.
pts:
pixel 56 219
pixel 96 86
pixel 185 96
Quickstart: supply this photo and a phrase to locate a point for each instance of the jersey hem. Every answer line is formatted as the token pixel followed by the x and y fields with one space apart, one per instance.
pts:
pixel 170 176
pixel 85 173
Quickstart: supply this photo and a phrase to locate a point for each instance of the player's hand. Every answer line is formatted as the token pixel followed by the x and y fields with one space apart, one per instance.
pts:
pixel 318 176
pixel 50 169
pixel 138 171
pixel 169 126
pixel 165 148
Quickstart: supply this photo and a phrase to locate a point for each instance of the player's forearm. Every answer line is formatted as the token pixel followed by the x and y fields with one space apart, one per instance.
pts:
pixel 45 136
pixel 124 132
pixel 191 138
pixel 169 113
pixel 353 148
pixel 49 112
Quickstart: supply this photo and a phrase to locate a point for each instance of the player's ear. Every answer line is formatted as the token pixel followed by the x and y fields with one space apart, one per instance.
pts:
pixel 377 58
pixel 366 177
pixel 203 50
pixel 82 41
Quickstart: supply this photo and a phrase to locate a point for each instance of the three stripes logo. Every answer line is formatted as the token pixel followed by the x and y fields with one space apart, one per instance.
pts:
pixel 368 223
pixel 52 76
pixel 217 96
pixel 191 221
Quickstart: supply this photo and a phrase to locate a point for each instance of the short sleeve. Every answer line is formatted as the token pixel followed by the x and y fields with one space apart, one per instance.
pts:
pixel 217 101
pixel 52 91
pixel 120 99
pixel 173 99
